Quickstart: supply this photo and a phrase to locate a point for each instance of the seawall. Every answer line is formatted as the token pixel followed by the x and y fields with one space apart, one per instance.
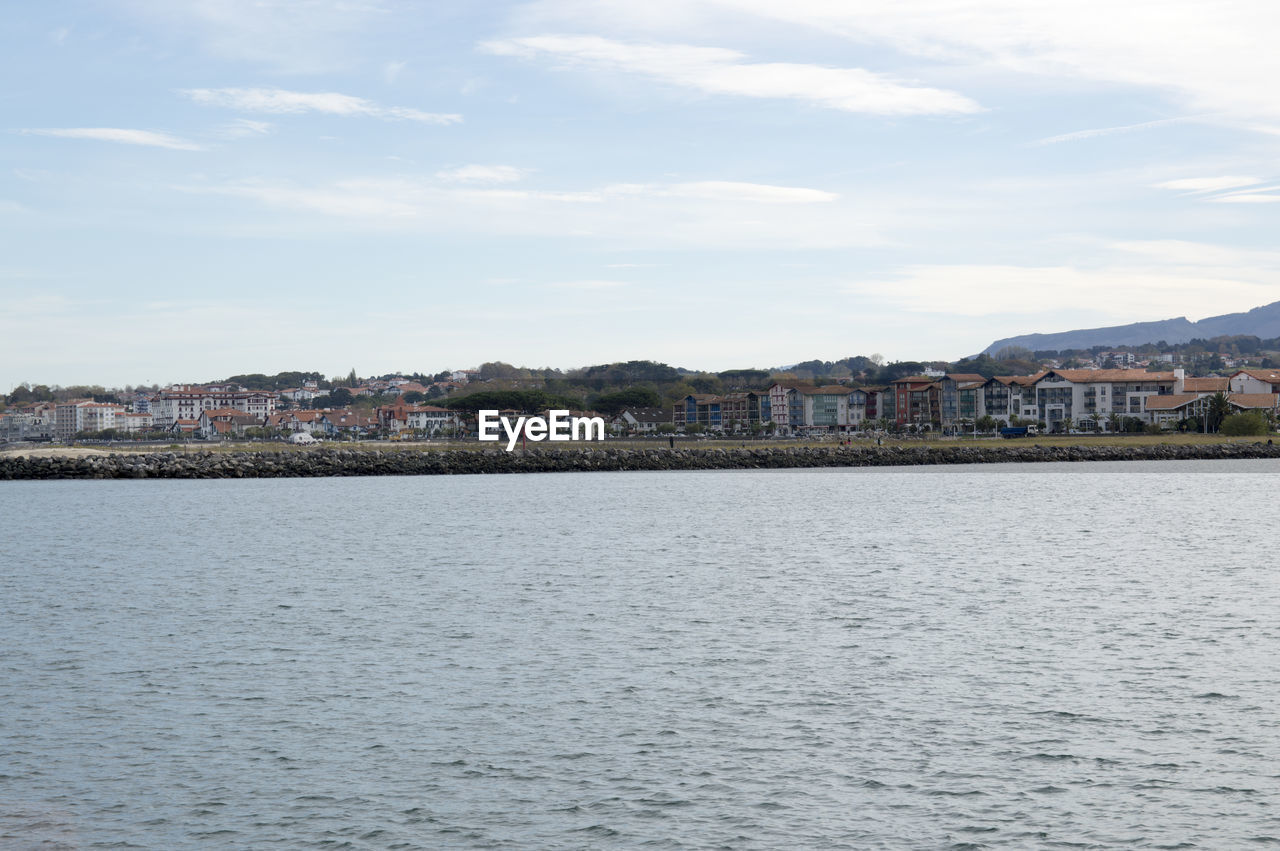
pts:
pixel 407 462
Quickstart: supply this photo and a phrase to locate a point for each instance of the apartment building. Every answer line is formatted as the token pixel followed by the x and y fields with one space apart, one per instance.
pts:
pixel 186 401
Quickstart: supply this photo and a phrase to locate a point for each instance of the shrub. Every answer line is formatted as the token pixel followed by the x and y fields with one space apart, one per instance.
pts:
pixel 1250 423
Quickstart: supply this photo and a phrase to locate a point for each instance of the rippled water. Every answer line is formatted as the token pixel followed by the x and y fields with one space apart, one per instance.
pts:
pixel 1004 656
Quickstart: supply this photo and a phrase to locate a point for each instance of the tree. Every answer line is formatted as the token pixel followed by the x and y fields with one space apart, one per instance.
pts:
pixel 633 397
pixel 1015 353
pixel 986 423
pixel 1219 410
pixel 694 428
pixel 413 397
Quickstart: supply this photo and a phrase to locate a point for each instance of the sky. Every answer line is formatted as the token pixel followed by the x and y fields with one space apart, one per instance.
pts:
pixel 192 189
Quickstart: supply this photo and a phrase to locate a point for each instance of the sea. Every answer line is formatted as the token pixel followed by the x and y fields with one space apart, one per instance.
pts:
pixel 994 656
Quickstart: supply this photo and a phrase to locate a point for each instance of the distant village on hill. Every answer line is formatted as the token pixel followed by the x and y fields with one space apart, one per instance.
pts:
pixel 1228 383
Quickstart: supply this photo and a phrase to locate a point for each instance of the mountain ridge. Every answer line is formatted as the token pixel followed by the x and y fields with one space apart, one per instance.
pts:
pixel 1261 321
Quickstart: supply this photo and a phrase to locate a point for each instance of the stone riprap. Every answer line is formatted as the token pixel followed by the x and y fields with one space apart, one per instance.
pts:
pixel 407 462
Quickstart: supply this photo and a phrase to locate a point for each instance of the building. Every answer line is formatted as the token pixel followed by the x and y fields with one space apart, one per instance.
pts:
pixel 786 407
pixel 215 423
pixel 1255 381
pixel 71 418
pixel 186 401
pixel 641 420
pixel 1066 399
pixel 960 398
pixel 917 402
pixel 431 420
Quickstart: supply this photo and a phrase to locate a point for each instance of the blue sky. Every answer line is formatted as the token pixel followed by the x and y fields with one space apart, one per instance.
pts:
pixel 195 188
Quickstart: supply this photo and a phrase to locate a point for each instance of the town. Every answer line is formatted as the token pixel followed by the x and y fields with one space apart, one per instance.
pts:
pixel 649 399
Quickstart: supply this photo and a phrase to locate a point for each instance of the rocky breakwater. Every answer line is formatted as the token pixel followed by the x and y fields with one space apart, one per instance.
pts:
pixel 408 462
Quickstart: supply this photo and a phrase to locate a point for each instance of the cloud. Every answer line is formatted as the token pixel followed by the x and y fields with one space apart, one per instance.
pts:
pixel 1122 291
pixel 1216 58
pixel 146 138
pixel 1111 131
pixel 1219 58
pixel 697 214
pixel 482 174
pixel 1246 198
pixel 341 199
pixel 720 71
pixel 281 101
pixel 243 127
pixel 1198 185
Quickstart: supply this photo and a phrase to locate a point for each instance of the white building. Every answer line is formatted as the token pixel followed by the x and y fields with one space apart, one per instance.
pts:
pixel 1255 381
pixel 1072 398
pixel 72 418
pixel 185 402
pixel 430 419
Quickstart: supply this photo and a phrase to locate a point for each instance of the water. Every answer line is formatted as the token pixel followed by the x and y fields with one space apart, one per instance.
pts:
pixel 1002 656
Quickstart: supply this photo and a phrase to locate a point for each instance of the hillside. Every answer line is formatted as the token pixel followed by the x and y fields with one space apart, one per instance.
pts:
pixel 1260 322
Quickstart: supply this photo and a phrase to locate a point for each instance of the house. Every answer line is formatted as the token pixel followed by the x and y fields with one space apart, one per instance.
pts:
pixel 425 418
pixel 1265 402
pixel 349 423
pixel 301 394
pixel 224 422
pixel 400 386
pixel 1255 381
pixel 298 422
pixel 641 420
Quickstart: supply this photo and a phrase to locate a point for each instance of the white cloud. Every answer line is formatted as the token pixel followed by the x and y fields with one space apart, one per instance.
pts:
pixel 1111 131
pixel 1217 57
pixel 146 138
pixel 1197 185
pixel 714 70
pixel 1119 292
pixel 1246 198
pixel 243 127
pixel 482 174
pixel 702 214
pixel 281 101
pixel 341 199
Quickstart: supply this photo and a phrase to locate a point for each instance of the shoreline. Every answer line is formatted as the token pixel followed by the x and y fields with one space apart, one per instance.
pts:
pixel 326 462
